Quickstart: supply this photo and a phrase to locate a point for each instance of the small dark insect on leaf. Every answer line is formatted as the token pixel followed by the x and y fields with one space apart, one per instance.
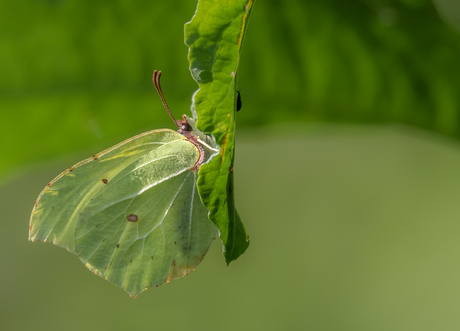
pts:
pixel 133 218
pixel 238 101
pixel 105 181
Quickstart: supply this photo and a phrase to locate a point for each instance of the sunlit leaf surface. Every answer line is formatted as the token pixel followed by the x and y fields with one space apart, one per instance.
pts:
pixel 214 37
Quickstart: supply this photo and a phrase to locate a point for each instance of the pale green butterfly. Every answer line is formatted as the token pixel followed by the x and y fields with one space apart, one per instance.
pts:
pixel 132 213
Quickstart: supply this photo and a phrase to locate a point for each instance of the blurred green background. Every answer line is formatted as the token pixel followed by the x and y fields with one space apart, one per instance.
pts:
pixel 354 220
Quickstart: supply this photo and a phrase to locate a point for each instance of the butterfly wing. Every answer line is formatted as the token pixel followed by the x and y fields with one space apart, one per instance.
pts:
pixel 131 213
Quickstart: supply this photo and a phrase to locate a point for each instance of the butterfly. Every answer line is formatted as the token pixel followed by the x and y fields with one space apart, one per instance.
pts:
pixel 132 213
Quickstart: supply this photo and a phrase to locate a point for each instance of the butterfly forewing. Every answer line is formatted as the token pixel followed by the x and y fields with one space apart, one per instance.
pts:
pixel 59 204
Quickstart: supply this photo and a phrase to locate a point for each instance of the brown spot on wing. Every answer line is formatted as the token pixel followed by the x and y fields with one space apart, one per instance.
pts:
pixel 133 218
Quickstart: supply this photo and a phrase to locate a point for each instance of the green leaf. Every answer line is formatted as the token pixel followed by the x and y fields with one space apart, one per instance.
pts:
pixel 131 213
pixel 214 37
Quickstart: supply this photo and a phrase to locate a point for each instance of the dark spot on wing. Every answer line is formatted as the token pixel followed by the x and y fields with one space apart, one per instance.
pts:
pixel 186 248
pixel 133 218
pixel 105 181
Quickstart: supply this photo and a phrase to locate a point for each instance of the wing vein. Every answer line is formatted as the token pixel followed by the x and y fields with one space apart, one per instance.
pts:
pixel 169 207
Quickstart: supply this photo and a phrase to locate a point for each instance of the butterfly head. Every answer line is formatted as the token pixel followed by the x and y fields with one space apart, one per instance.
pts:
pixel 184 125
pixel 187 128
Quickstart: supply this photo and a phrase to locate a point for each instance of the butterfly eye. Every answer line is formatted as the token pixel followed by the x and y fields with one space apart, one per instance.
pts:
pixel 186 127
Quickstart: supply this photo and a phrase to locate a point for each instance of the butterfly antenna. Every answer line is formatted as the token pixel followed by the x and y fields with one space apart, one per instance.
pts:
pixel 156 82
